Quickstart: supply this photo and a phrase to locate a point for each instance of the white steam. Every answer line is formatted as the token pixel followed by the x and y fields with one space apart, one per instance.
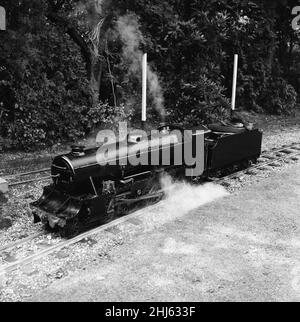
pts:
pixel 156 92
pixel 129 30
pixel 181 198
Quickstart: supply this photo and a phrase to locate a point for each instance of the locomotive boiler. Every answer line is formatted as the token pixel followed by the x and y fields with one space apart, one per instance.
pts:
pixel 91 187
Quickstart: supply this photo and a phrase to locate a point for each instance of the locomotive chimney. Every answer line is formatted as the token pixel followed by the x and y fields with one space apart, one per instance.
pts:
pixel 144 91
pixel 234 83
pixel 78 150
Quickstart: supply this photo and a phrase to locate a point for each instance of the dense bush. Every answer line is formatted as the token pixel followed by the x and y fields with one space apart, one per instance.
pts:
pixel 61 77
pixel 201 101
pixel 279 97
pixel 43 86
pixel 107 115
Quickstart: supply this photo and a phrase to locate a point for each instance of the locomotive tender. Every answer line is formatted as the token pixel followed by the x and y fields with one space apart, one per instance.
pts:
pixel 87 192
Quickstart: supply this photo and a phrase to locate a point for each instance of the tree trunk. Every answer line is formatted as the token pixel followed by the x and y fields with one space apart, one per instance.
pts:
pixel 94 63
pixel 94 78
pixel 95 67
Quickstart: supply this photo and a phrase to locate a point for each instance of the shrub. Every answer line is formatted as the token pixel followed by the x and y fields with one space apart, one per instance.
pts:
pixel 202 101
pixel 279 97
pixel 107 115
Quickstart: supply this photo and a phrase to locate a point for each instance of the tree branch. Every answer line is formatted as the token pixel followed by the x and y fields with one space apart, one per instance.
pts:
pixel 106 24
pixel 72 32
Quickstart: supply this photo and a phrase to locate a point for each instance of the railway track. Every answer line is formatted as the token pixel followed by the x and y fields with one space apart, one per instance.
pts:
pixel 57 246
pixel 19 242
pixel 15 180
pixel 25 178
pixel 267 161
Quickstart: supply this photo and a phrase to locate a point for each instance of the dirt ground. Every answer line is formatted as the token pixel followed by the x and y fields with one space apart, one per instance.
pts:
pixel 244 247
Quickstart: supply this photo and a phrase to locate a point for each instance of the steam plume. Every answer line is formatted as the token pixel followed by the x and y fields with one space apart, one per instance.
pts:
pixel 181 198
pixel 129 30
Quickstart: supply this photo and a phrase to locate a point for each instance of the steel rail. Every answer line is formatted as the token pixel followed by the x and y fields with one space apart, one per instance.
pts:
pixel 23 174
pixel 66 243
pixel 14 184
pixel 23 261
pixel 258 166
pixel 20 242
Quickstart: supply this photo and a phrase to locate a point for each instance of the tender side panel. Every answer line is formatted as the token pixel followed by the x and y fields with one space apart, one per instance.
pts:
pixel 230 149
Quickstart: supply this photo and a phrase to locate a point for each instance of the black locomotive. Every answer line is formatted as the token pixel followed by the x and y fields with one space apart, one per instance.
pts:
pixel 86 191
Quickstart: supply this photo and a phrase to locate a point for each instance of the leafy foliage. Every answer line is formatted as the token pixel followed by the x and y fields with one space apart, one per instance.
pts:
pixel 44 87
pixel 62 72
pixel 201 101
pixel 279 97
pixel 107 114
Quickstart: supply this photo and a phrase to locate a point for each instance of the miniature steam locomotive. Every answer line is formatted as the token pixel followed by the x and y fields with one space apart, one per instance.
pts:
pixel 86 192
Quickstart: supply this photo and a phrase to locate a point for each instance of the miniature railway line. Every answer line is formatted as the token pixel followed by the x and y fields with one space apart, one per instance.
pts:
pixel 285 153
pixel 16 179
pixel 65 243
pixel 11 168
pixel 20 242
pixel 267 161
